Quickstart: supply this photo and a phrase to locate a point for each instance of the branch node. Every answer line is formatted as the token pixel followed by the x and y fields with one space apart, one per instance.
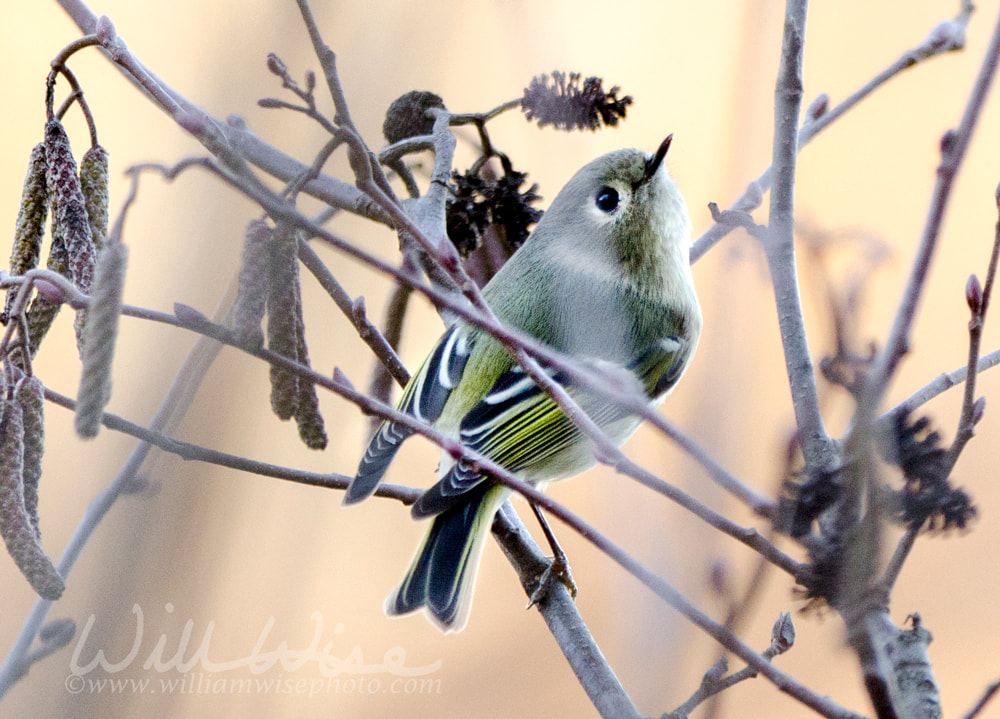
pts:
pixel 737 218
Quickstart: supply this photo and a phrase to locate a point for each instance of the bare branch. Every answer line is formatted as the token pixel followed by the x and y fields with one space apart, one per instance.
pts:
pixel 780 245
pixel 978 299
pixel 562 618
pixel 954 146
pixel 208 130
pixel 988 694
pixel 368 332
pixel 194 452
pixel 662 588
pixel 945 37
pixel 605 384
pixel 940 384
pixel 978 303
pixel 714 680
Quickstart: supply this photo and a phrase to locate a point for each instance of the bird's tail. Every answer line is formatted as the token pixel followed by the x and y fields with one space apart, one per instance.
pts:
pixel 443 572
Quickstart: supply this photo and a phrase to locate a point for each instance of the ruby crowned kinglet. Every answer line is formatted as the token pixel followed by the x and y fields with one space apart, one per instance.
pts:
pixel 605 277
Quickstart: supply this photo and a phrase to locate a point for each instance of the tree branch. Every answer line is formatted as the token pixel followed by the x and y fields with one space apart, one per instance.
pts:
pixel 192 320
pixel 559 611
pixel 208 129
pixel 779 247
pixel 940 384
pixel 605 384
pixel 954 146
pixel 947 36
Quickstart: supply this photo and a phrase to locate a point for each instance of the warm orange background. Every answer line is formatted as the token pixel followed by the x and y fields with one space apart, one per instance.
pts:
pixel 229 552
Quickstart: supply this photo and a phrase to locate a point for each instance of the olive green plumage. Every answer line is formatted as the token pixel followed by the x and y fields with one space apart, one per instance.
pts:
pixel 605 278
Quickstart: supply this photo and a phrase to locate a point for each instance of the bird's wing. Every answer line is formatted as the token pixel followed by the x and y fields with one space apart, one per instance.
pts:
pixel 424 397
pixel 661 365
pixel 517 425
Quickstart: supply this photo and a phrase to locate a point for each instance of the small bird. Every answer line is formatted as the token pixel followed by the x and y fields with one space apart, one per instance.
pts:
pixel 605 278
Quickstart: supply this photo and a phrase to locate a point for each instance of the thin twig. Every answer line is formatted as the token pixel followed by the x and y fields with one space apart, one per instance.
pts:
pixel 371 179
pixel 953 151
pixel 198 323
pixel 945 37
pixel 988 694
pixel 715 681
pixel 76 95
pixel 173 407
pixel 198 453
pixel 979 301
pixel 367 331
pixel 876 384
pixel 899 555
pixel 967 419
pixel 940 384
pixel 605 384
pixel 478 118
pixel 210 130
pixel 395 312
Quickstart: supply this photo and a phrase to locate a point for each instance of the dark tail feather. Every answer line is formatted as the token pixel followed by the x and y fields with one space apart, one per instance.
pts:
pixel 378 456
pixel 443 572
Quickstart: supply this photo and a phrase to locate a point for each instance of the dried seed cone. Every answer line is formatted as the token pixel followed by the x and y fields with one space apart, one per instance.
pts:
pixel 94 185
pixel 30 228
pixel 251 300
pixel 282 328
pixel 15 525
pixel 99 339
pixel 29 395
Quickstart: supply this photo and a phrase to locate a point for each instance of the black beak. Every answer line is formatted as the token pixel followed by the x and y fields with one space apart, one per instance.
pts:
pixel 653 164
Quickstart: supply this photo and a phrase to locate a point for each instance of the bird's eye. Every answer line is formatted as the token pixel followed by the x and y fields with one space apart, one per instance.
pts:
pixel 607 199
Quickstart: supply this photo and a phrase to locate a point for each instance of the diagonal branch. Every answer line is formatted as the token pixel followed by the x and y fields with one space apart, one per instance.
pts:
pixel 953 149
pixel 947 36
pixel 192 320
pixel 940 384
pixel 208 129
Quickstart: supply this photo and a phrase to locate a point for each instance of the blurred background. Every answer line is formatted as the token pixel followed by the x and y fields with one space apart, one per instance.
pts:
pixel 220 560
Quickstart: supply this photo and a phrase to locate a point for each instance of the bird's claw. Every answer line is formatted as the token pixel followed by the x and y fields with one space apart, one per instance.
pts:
pixel 557 571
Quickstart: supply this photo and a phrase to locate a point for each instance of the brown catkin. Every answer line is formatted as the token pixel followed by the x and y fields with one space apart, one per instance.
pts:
pixel 282 298
pixel 29 395
pixel 69 213
pixel 42 312
pixel 30 228
pixel 40 316
pixel 99 339
pixel 94 185
pixel 307 416
pixel 15 525
pixel 72 253
pixel 251 300
pixel 69 210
